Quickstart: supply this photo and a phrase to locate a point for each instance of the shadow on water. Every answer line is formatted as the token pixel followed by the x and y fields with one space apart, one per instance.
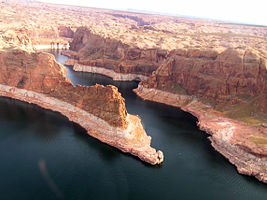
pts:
pixel 28 116
pixel 108 153
pixel 46 124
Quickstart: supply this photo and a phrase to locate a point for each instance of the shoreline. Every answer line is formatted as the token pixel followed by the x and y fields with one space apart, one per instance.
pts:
pixel 122 139
pixel 47 46
pixel 108 72
pixel 222 131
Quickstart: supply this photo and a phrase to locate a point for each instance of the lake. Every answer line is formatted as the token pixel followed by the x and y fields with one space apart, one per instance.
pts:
pixel 44 156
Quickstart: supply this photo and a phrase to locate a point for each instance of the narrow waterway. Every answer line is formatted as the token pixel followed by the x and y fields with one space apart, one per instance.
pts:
pixel 44 156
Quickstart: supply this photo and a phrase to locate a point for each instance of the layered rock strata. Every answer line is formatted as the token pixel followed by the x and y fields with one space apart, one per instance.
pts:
pixel 231 138
pixel 233 81
pixel 226 90
pixel 107 72
pixel 112 57
pixel 227 93
pixel 37 78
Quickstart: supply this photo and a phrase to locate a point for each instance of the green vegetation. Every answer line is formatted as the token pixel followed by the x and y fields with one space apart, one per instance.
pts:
pixel 252 111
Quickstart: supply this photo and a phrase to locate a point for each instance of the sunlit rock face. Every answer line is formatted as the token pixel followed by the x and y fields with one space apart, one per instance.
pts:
pixel 93 50
pixel 36 77
pixel 227 93
pixel 219 76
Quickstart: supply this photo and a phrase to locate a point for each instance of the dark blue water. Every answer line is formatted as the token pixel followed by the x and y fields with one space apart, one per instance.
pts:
pixel 44 156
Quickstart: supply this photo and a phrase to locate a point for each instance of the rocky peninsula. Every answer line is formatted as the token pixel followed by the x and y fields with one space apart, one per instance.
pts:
pixel 216 71
pixel 36 78
pixel 225 89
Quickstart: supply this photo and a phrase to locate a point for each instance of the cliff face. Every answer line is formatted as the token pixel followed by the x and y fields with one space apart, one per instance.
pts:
pixel 40 73
pixel 232 77
pixel 65 31
pixel 37 78
pixel 229 80
pixel 15 40
pixel 215 87
pixel 94 50
pixel 212 75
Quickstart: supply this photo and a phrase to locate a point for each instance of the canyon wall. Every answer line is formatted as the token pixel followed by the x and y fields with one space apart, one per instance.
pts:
pixel 225 89
pixel 214 70
pixel 96 51
pixel 227 93
pixel 228 81
pixel 39 72
pixel 36 77
pixel 206 73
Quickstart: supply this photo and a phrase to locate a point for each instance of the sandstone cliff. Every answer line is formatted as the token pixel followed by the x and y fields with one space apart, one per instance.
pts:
pixel 37 78
pixel 216 87
pixel 222 80
pixel 214 70
pixel 93 50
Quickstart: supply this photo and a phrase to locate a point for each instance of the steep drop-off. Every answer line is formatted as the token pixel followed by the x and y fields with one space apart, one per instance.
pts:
pixel 226 89
pixel 37 78
pixel 215 70
pixel 225 80
pixel 216 87
pixel 93 53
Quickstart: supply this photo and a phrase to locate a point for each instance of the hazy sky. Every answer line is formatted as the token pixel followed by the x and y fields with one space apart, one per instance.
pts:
pixel 245 11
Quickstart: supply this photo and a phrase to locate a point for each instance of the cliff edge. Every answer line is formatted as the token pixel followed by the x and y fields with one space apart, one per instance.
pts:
pixel 227 93
pixel 92 53
pixel 36 77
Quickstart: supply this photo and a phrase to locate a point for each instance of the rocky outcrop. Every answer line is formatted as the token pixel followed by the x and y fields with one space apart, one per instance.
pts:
pixel 212 85
pixel 215 87
pixel 96 51
pixel 229 81
pixel 66 32
pixel 233 139
pixel 229 76
pixel 37 78
pixel 15 40
pixel 219 76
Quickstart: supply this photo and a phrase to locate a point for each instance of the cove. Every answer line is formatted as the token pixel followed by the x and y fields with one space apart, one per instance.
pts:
pixel 44 156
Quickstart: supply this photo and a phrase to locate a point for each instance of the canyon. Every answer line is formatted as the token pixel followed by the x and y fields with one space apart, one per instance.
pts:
pixel 216 71
pixel 225 90
pixel 35 77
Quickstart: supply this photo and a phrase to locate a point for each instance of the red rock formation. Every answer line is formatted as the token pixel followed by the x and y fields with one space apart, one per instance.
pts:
pixel 212 75
pixel 233 82
pixel 37 78
pixel 94 50
pixel 230 76
pixel 65 32
pixel 243 145
pixel 40 73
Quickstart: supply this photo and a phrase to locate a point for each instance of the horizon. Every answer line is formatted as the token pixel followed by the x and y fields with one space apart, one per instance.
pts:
pixel 237 11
